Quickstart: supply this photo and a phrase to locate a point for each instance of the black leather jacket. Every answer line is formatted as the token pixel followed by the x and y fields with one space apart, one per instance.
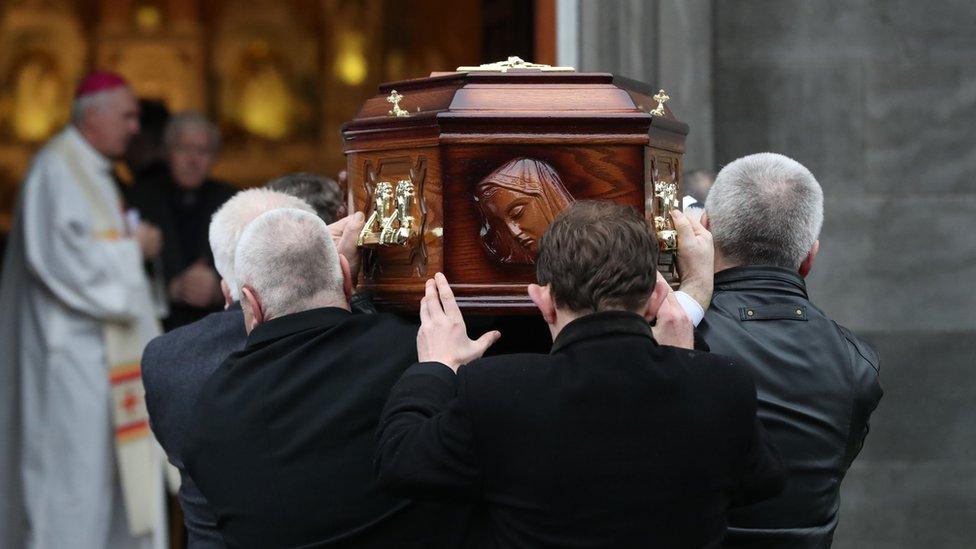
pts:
pixel 817 386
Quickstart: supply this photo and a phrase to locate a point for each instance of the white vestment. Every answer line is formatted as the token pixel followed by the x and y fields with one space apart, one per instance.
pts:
pixel 62 282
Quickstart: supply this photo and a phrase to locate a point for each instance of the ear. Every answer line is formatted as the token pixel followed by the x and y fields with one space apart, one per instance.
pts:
pixel 346 277
pixel 657 297
pixel 542 297
pixel 807 264
pixel 228 297
pixel 704 221
pixel 251 304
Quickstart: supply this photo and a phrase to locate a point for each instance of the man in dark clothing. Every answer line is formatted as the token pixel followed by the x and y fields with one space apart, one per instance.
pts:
pixel 175 365
pixel 282 433
pixel 817 383
pixel 613 439
pixel 181 201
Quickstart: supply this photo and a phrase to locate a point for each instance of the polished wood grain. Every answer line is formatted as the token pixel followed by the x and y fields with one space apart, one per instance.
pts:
pixel 593 131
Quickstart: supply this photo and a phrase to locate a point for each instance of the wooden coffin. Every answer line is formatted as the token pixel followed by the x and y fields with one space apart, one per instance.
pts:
pixel 461 173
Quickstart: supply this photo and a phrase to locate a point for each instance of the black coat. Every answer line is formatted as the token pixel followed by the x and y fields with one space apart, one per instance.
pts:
pixel 283 434
pixel 817 386
pixel 175 367
pixel 184 219
pixel 609 441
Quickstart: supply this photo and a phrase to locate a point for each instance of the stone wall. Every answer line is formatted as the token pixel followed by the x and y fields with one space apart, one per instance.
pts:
pixel 878 99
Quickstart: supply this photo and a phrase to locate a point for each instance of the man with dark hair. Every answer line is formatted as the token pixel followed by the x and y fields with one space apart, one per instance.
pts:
pixel 817 382
pixel 320 192
pixel 613 439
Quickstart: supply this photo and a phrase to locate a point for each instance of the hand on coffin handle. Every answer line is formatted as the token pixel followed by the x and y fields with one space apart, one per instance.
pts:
pixel 344 234
pixel 443 336
pixel 696 258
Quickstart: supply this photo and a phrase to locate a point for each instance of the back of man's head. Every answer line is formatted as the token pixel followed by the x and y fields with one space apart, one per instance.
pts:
pixel 229 221
pixel 320 192
pixel 598 256
pixel 765 209
pixel 287 258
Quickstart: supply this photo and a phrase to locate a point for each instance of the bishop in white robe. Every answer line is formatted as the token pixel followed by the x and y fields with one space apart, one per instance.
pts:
pixel 77 466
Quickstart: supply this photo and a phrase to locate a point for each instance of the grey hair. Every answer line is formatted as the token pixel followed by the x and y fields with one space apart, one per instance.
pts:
pixel 229 222
pixel 288 258
pixel 83 104
pixel 182 121
pixel 765 209
pixel 321 192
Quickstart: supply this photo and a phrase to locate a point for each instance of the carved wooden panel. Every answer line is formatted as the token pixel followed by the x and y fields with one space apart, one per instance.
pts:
pixel 403 269
pixel 580 172
pixel 517 202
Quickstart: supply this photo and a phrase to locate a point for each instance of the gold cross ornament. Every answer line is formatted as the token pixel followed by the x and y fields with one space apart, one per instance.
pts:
pixel 661 98
pixel 394 99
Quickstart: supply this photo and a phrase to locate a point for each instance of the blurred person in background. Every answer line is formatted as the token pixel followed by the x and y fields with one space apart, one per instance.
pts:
pixel 145 156
pixel 77 463
pixel 181 200
pixel 696 186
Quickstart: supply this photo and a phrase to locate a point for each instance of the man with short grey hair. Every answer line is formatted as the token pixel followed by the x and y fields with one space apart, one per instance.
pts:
pixel 282 434
pixel 817 382
pixel 175 365
pixel 181 200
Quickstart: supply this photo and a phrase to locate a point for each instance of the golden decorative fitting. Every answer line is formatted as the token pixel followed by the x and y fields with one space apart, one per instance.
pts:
pixel 515 63
pixel 391 223
pixel 665 200
pixel 394 99
pixel 661 98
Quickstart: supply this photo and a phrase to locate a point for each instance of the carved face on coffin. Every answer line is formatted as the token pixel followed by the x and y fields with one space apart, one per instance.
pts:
pixel 518 201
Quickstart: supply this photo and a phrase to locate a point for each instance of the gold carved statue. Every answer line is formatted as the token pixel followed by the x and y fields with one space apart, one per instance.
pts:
pixel 381 211
pixel 666 199
pixel 518 201
pixel 391 223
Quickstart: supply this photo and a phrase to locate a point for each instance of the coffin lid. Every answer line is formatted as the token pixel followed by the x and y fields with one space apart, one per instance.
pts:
pixel 459 105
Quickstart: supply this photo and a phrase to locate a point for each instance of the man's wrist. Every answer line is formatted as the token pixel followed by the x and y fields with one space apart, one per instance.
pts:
pixel 451 363
pixel 698 289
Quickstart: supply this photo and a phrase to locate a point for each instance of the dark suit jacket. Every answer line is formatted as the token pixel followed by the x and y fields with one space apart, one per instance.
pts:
pixel 283 436
pixel 184 219
pixel 609 441
pixel 817 385
pixel 174 368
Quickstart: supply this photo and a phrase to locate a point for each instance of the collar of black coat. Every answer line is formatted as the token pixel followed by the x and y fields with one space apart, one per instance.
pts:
pixel 602 324
pixel 287 325
pixel 761 277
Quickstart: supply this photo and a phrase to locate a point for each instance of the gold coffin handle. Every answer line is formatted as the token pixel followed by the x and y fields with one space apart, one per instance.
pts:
pixel 391 221
pixel 666 199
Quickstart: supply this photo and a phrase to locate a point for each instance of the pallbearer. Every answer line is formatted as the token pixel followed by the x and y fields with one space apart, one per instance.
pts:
pixel 77 468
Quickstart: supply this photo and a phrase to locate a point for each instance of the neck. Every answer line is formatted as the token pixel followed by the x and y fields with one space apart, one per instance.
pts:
pixel 320 302
pixel 563 317
pixel 86 135
pixel 722 263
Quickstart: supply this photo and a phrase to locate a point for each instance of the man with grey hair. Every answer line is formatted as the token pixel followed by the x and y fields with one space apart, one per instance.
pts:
pixel 283 432
pixel 181 200
pixel 77 463
pixel 177 364
pixel 321 192
pixel 817 383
